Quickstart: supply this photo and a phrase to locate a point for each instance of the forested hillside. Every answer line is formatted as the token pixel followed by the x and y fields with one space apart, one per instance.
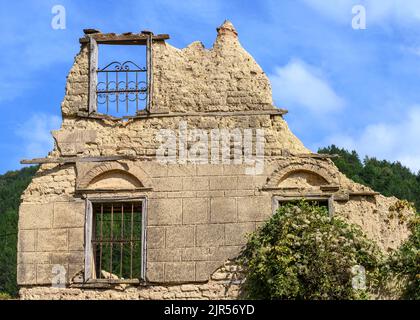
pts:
pixel 388 178
pixel 12 184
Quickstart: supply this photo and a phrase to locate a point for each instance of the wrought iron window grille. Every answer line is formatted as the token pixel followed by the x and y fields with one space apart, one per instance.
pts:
pixel 122 83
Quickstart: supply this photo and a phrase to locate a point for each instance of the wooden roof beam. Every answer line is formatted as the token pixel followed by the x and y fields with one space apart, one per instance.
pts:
pixel 127 38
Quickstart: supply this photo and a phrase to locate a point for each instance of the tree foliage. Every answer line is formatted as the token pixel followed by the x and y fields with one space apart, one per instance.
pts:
pixel 302 253
pixel 12 184
pixel 388 178
pixel 404 264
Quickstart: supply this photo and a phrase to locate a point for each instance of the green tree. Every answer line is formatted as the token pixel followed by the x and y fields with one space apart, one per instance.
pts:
pixel 12 184
pixel 388 178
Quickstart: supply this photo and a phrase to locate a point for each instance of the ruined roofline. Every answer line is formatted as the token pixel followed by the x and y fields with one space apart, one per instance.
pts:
pixel 141 38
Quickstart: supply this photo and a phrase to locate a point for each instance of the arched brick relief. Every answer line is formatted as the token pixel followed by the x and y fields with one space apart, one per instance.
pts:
pixel 125 175
pixel 315 174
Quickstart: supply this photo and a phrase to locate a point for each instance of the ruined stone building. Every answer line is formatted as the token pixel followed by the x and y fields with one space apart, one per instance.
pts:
pixel 105 217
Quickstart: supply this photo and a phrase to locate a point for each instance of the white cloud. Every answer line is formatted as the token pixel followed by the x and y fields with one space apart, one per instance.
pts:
pixel 411 50
pixel 35 134
pixel 377 12
pixel 398 141
pixel 300 85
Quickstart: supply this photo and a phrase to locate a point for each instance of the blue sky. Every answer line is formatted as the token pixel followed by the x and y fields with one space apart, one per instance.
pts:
pixel 359 89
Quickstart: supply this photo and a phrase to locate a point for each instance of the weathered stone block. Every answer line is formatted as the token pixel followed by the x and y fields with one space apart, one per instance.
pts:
pixel 234 169
pixel 180 170
pixel 210 235
pixel 164 255
pixel 223 210
pixel 179 271
pixel 182 194
pixel 210 194
pixel 26 274
pixel 204 269
pixel 180 237
pixel 168 184
pixel 154 169
pixel 165 211
pixel 76 239
pixel 155 272
pixel 196 183
pixel 254 208
pixel 155 237
pixel 69 214
pixel 33 257
pixel 52 240
pixel 235 233
pixel 49 273
pixel 209 170
pixel 35 216
pixel 199 254
pixel 71 143
pixel 64 258
pixel 75 269
pixel 246 182
pixel 195 211
pixel 26 240
pixel 223 183
pixel 227 253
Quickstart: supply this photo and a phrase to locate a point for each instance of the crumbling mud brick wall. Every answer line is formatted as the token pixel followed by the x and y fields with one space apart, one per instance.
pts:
pixel 198 215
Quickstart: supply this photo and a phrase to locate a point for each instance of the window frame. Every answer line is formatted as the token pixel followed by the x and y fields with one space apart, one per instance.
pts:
pixel 93 46
pixel 276 200
pixel 89 263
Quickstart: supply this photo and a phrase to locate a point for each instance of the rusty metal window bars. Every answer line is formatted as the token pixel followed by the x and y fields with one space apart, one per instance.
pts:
pixel 117 240
pixel 122 86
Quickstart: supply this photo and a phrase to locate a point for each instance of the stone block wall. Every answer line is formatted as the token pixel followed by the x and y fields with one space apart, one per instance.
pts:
pixel 50 234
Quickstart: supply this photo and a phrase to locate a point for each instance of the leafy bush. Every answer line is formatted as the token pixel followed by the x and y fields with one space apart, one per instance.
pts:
pixel 404 264
pixel 5 296
pixel 302 253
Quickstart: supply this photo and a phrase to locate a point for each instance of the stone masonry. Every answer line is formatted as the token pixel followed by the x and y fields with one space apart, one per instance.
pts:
pixel 198 215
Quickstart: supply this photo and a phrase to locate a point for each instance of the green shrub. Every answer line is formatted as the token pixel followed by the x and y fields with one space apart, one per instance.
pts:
pixel 5 296
pixel 301 253
pixel 404 264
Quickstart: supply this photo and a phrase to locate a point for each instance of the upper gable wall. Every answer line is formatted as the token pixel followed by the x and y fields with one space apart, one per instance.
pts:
pixel 224 78
pixel 193 79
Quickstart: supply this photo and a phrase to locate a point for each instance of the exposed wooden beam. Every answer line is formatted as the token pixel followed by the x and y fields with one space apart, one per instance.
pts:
pixel 146 115
pixel 127 38
pixel 76 159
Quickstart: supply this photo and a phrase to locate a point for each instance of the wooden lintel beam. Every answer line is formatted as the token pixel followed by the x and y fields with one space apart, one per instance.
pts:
pixel 111 38
pixel 143 115
pixel 76 159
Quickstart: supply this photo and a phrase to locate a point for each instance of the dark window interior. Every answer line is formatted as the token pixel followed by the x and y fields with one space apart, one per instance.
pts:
pixel 117 240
